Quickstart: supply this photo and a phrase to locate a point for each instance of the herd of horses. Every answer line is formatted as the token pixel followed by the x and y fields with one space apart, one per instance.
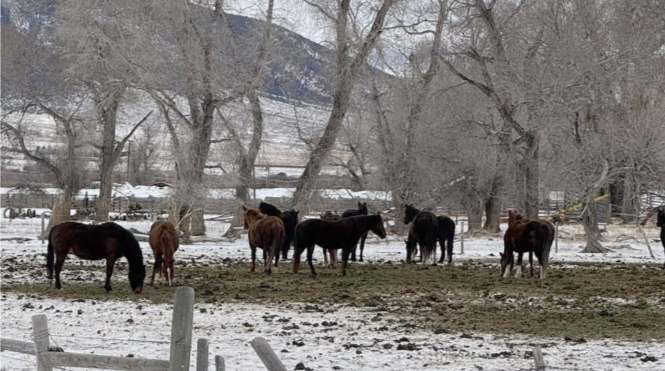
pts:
pixel 274 231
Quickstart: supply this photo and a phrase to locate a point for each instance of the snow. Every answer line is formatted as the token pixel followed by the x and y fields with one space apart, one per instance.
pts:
pixel 351 338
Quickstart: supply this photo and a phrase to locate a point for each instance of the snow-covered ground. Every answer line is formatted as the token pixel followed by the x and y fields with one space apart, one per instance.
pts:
pixel 323 337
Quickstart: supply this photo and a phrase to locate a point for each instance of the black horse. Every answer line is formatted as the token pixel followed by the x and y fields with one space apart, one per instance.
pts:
pixel 446 233
pixel 342 234
pixel 362 210
pixel 95 242
pixel 290 219
pixel 660 221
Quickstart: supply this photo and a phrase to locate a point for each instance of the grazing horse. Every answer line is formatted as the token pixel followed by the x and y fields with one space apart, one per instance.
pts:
pixel 526 236
pixel 342 234
pixel 95 242
pixel 660 222
pixel 290 220
pixel 362 210
pixel 446 232
pixel 334 254
pixel 424 231
pixel 164 242
pixel 266 232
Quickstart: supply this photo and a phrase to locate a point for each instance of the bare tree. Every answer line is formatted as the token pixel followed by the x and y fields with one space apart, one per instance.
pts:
pixel 347 69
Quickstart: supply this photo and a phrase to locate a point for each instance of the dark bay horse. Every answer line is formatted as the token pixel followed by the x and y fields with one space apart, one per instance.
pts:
pixel 290 220
pixel 660 222
pixel 342 234
pixel 424 231
pixel 95 242
pixel 265 232
pixel 526 236
pixel 446 233
pixel 330 217
pixel 164 242
pixel 362 210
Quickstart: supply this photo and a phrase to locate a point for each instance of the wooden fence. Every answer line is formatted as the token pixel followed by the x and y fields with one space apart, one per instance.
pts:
pixel 48 357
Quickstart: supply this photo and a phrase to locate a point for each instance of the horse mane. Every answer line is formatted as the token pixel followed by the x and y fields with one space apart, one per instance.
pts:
pixel 131 248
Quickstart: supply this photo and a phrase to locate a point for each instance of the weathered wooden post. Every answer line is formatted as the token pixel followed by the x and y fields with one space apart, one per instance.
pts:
pixel 538 357
pixel 181 329
pixel 43 216
pixel 41 337
pixel 267 355
pixel 462 237
pixel 202 355
pixel 219 363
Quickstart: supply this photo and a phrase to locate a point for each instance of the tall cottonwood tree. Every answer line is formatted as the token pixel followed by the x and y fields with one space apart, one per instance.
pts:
pixel 350 57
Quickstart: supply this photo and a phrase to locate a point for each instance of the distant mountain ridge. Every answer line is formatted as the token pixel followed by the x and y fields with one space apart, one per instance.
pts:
pixel 305 76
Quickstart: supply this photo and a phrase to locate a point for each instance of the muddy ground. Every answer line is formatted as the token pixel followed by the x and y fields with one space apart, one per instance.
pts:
pixel 577 301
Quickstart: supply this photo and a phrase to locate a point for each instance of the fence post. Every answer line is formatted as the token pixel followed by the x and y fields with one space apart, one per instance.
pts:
pixel 181 329
pixel 219 363
pixel 202 355
pixel 267 355
pixel 462 238
pixel 538 357
pixel 40 335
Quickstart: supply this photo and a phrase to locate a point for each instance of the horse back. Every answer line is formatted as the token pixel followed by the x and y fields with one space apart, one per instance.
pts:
pixel 264 231
pixel 90 242
pixel 352 212
pixel 330 234
pixel 163 234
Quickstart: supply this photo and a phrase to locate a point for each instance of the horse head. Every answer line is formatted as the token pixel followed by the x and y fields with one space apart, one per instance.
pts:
pixel 136 278
pixel 377 226
pixel 362 207
pixel 251 215
pixel 514 217
pixel 410 212
pixel 660 220
pixel 506 259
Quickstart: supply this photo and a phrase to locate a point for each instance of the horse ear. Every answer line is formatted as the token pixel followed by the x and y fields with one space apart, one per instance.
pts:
pixel 501 254
pixel 244 208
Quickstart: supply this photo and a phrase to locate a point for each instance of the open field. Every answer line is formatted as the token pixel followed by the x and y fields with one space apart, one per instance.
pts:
pixel 598 311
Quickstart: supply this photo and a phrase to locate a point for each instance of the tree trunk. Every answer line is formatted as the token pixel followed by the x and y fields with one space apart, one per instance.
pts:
pixel 590 223
pixel 61 211
pixel 492 213
pixel 475 216
pixel 532 176
pixel 628 205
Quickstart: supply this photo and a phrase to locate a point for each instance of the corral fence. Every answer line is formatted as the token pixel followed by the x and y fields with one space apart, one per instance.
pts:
pixel 48 357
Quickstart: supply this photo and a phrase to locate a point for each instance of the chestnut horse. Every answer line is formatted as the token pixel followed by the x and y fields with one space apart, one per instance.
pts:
pixel 164 242
pixel 334 253
pixel 342 234
pixel 362 210
pixel 526 236
pixel 265 232
pixel 290 220
pixel 95 242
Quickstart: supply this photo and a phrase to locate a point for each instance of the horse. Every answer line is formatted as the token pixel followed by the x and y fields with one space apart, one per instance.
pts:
pixel 342 234
pixel 334 254
pixel 362 210
pixel 95 242
pixel 290 220
pixel 164 242
pixel 266 232
pixel 526 236
pixel 446 232
pixel 660 222
pixel 424 231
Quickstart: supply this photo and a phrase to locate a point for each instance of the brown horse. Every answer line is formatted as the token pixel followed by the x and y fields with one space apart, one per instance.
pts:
pixel 266 232
pixel 95 242
pixel 526 236
pixel 334 254
pixel 164 242
pixel 343 234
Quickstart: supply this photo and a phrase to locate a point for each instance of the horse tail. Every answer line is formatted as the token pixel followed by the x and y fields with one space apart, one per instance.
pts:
pixel 548 237
pixel 50 256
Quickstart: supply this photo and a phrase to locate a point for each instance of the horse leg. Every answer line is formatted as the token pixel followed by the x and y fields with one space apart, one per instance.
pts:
pixel 59 261
pixel 362 245
pixel 253 248
pixel 434 253
pixel 518 269
pixel 310 253
pixel 442 245
pixel 449 247
pixel 531 262
pixel 285 250
pixel 155 267
pixel 325 257
pixel 509 266
pixel 110 262
pixel 353 253
pixel 266 263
